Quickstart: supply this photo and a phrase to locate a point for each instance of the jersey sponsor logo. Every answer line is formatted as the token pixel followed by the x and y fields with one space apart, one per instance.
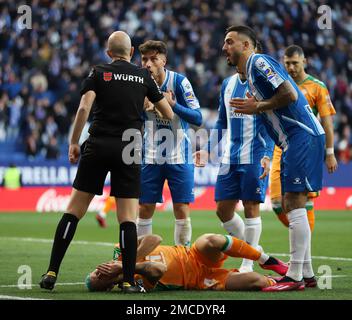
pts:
pixel 189 95
pixel 237 115
pixel 270 73
pixel 107 76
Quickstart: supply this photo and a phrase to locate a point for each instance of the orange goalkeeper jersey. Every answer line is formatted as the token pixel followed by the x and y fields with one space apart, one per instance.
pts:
pixel 188 269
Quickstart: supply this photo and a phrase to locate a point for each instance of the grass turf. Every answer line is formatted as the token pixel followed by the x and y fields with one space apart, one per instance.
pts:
pixel 20 244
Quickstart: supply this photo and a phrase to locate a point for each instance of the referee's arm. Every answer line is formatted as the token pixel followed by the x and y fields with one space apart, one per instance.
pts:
pixel 80 120
pixel 165 109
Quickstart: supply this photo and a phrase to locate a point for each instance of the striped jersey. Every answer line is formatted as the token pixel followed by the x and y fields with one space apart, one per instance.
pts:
pixel 247 138
pixel 265 75
pixel 168 139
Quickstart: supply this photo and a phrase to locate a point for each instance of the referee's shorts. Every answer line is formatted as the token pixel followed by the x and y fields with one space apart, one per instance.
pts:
pixel 101 155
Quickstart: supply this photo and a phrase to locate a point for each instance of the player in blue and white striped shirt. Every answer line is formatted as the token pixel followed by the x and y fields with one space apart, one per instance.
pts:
pixel 167 152
pixel 241 176
pixel 295 129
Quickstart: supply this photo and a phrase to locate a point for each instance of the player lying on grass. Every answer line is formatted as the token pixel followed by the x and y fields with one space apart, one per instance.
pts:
pixel 196 268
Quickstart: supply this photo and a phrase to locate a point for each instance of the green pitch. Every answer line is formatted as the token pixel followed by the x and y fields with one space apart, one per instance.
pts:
pixel 25 239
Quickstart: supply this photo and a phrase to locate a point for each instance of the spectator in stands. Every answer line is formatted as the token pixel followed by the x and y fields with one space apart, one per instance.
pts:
pixel 12 178
pixel 67 37
pixel 52 149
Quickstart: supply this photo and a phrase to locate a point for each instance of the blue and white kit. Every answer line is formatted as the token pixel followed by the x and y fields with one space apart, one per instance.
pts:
pixel 294 128
pixel 167 151
pixel 247 142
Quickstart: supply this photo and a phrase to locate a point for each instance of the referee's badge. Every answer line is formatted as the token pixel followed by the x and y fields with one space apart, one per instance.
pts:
pixel 107 76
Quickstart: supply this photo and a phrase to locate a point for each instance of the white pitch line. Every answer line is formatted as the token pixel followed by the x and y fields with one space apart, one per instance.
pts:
pixel 30 286
pixel 2 297
pixel 110 244
pixel 313 257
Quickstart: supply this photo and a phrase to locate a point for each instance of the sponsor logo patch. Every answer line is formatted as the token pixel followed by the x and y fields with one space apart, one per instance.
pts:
pixel 107 76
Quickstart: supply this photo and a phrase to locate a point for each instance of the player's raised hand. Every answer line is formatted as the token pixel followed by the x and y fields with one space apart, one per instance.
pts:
pixel 73 153
pixel 265 163
pixel 200 158
pixel 331 163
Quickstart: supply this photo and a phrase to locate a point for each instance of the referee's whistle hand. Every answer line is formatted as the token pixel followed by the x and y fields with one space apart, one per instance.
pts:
pixel 73 153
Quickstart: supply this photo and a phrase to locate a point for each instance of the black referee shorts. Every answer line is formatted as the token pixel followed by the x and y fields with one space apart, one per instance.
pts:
pixel 101 155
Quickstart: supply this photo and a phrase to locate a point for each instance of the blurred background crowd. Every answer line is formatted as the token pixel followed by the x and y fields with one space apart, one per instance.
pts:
pixel 41 69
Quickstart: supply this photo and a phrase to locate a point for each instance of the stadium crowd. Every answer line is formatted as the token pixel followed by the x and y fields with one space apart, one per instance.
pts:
pixel 41 69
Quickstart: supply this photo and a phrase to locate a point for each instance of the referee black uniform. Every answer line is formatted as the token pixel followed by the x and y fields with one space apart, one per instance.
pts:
pixel 120 89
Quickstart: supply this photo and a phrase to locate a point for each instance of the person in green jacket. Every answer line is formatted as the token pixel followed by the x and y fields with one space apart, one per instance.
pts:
pixel 12 178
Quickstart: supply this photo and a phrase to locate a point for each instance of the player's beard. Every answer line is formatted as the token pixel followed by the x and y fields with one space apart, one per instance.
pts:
pixel 233 59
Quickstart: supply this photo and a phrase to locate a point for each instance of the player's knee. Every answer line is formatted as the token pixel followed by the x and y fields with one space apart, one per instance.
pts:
pixel 214 241
pixel 146 211
pixel 251 209
pixel 224 211
pixel 294 200
pixel 181 210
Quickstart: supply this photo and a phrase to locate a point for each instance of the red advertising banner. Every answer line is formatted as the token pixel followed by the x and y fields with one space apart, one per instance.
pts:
pixel 44 199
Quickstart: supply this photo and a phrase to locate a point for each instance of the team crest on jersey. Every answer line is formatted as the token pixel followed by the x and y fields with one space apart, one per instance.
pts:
pixel 107 76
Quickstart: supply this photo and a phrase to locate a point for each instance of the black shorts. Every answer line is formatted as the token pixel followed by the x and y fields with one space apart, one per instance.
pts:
pixel 101 155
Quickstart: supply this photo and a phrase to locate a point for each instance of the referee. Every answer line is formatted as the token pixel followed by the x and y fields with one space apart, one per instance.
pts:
pixel 119 90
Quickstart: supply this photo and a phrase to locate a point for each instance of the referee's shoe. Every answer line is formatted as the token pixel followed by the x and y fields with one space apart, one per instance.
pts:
pixel 48 280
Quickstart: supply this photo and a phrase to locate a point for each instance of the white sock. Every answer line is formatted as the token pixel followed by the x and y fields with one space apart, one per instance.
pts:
pixel 102 214
pixel 252 232
pixel 235 226
pixel 263 258
pixel 307 264
pixel 299 233
pixel 144 226
pixel 183 232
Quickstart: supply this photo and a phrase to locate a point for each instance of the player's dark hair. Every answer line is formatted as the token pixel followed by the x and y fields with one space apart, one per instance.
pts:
pixel 153 45
pixel 247 31
pixel 258 47
pixel 294 49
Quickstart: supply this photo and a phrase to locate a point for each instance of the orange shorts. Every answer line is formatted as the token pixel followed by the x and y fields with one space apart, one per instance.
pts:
pixel 208 274
pixel 275 180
